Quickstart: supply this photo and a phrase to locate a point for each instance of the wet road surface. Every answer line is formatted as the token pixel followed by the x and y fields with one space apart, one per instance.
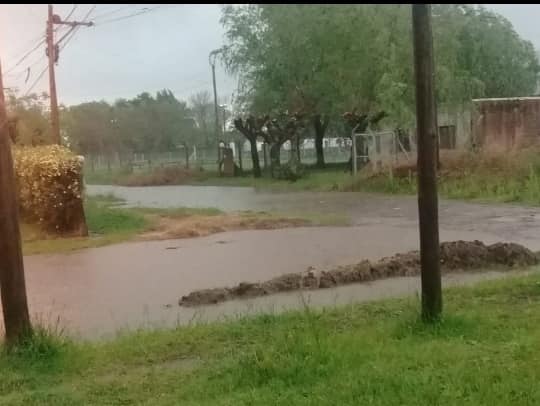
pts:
pixel 98 291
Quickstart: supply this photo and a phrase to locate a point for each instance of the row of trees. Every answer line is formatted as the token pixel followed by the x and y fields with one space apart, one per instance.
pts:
pixel 143 124
pixel 300 69
pixel 319 61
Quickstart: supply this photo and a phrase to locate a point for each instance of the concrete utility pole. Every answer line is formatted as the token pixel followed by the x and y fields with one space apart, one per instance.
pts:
pixel 212 61
pixel 53 51
pixel 426 124
pixel 12 283
pixel 224 110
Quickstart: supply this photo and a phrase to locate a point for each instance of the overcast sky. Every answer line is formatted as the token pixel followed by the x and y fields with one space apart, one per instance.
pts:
pixel 166 47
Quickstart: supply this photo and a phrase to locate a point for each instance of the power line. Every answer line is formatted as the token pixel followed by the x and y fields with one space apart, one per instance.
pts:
pixel 138 13
pixel 36 81
pixel 112 12
pixel 89 12
pixel 72 11
pixel 41 42
pixel 26 55
pixel 73 30
pixel 66 34
pixel 41 58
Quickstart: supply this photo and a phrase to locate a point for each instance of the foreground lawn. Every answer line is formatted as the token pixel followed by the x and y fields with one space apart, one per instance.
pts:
pixel 485 352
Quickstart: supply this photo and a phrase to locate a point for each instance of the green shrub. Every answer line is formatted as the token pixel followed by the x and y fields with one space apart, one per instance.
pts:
pixel 49 186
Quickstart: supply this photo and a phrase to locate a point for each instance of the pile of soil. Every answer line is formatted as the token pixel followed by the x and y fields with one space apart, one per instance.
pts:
pixel 455 256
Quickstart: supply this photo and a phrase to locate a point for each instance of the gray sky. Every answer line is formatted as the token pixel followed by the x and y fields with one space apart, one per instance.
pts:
pixel 164 48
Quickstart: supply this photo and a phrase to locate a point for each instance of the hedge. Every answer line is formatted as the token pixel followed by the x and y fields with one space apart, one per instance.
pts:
pixel 49 183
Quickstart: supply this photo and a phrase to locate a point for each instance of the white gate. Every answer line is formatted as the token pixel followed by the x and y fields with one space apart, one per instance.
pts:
pixel 378 149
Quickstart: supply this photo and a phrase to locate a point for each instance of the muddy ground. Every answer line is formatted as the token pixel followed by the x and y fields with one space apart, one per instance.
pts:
pixel 455 256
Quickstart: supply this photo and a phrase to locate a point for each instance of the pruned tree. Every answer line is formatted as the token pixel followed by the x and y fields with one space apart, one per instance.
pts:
pixel 281 128
pixel 251 128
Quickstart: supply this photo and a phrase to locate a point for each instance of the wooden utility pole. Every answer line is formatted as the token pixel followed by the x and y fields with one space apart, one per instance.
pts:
pixel 426 125
pixel 53 54
pixel 12 284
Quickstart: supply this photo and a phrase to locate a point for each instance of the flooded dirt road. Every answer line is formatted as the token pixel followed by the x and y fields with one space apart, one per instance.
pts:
pixel 99 291
pixel 508 222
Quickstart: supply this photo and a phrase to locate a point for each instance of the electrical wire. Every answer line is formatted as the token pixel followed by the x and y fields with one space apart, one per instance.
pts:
pixel 74 30
pixel 71 12
pixel 65 35
pixel 36 81
pixel 112 12
pixel 26 55
pixel 138 13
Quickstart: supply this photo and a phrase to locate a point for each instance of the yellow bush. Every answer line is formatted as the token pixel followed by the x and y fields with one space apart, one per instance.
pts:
pixel 49 185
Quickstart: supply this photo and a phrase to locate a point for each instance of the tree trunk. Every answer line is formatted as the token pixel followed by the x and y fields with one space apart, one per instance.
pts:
pixel 275 150
pixel 265 155
pixel 320 130
pixel 255 158
pixel 186 150
pixel 239 149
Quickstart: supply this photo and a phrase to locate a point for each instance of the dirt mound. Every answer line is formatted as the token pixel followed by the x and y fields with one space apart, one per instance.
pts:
pixel 455 256
pixel 511 254
pixel 465 255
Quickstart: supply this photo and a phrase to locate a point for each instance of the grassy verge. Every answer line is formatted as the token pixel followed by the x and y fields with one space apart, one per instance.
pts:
pixel 328 179
pixel 484 352
pixel 106 224
pixel 511 177
pixel 109 224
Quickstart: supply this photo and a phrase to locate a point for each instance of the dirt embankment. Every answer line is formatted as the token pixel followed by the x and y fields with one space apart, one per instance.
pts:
pixel 173 175
pixel 200 225
pixel 455 256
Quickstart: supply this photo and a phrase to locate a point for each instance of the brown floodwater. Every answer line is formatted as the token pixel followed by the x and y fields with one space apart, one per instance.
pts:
pixel 97 292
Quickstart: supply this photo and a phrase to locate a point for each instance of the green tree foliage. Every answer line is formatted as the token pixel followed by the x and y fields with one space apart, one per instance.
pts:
pixel 142 124
pixel 28 119
pixel 324 60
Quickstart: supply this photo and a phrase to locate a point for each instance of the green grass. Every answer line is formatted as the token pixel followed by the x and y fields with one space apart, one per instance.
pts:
pixel 109 224
pixel 333 178
pixel 485 351
pixel 511 187
pixel 103 219
pixel 178 212
pixel 328 179
pixel 498 178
